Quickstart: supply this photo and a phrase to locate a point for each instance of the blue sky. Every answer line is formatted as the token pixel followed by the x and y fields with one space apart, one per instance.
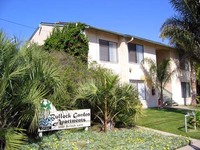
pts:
pixel 141 18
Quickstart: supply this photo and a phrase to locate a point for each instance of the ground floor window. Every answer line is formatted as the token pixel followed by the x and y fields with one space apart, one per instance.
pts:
pixel 185 88
pixel 140 87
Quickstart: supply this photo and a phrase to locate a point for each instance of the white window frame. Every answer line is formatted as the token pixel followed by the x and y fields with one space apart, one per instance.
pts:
pixel 139 87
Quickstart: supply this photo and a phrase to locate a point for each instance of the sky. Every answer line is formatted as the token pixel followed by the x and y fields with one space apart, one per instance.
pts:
pixel 141 18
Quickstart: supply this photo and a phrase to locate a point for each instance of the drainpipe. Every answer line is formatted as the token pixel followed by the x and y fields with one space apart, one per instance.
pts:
pixel 40 28
pixel 132 38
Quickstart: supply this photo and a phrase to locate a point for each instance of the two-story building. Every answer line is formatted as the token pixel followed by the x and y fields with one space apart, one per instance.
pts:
pixel 123 54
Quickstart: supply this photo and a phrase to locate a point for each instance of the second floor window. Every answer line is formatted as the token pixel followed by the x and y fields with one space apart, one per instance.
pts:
pixel 108 51
pixel 184 64
pixel 135 52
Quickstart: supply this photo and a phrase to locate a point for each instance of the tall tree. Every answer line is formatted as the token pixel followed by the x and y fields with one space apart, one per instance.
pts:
pixel 70 38
pixel 183 31
pixel 157 75
pixel 8 72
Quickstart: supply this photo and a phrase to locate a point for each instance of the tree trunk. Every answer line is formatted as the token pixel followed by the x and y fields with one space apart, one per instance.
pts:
pixel 105 109
pixel 161 96
pixel 193 83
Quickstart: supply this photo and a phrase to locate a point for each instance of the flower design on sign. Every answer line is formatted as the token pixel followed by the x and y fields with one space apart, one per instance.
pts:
pixel 45 105
pixel 45 120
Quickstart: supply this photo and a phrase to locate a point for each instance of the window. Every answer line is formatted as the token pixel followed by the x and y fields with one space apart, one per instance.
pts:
pixel 185 87
pixel 108 51
pixel 136 53
pixel 140 88
pixel 184 64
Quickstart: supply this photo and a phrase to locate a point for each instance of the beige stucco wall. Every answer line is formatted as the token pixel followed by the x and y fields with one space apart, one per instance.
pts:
pixel 41 34
pixel 152 100
pixel 178 77
pixel 94 53
pixel 123 68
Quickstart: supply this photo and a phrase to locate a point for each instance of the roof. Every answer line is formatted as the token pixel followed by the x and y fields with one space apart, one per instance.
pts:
pixel 112 32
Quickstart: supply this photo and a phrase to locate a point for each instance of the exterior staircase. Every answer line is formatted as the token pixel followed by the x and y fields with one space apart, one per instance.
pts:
pixel 167 98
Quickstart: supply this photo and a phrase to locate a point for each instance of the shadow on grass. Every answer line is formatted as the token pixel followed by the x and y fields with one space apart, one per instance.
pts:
pixel 160 122
pixel 169 117
pixel 189 128
pixel 183 128
pixel 176 110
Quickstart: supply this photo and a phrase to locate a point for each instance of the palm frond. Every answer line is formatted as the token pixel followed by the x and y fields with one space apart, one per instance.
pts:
pixel 121 99
pixel 14 138
pixel 183 29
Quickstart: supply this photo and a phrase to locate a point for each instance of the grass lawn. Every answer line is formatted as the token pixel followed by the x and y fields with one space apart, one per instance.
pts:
pixel 133 139
pixel 171 121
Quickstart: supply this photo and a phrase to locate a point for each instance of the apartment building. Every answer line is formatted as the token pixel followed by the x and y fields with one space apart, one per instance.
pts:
pixel 123 53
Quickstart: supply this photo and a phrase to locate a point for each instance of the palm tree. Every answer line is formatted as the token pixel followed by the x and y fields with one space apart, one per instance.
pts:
pixel 27 75
pixel 183 31
pixel 8 71
pixel 109 100
pixel 157 75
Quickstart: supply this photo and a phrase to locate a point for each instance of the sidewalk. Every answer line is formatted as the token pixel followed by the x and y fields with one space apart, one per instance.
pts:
pixel 195 145
pixel 181 107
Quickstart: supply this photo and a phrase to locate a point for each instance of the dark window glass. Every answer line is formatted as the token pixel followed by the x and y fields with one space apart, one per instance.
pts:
pixel 185 88
pixel 108 51
pixel 184 64
pixel 131 52
pixel 135 52
pixel 104 50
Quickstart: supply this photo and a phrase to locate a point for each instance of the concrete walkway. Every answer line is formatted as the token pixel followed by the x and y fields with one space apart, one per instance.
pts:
pixel 181 107
pixel 195 145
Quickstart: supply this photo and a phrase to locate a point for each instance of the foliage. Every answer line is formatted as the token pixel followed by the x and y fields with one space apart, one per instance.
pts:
pixel 70 38
pixel 74 71
pixel 27 75
pixel 8 72
pixel 183 29
pixel 14 138
pixel 109 100
pixel 197 113
pixel 119 139
pixel 198 72
pixel 158 75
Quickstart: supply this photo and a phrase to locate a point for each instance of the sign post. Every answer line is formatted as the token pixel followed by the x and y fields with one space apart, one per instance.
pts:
pixel 189 115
